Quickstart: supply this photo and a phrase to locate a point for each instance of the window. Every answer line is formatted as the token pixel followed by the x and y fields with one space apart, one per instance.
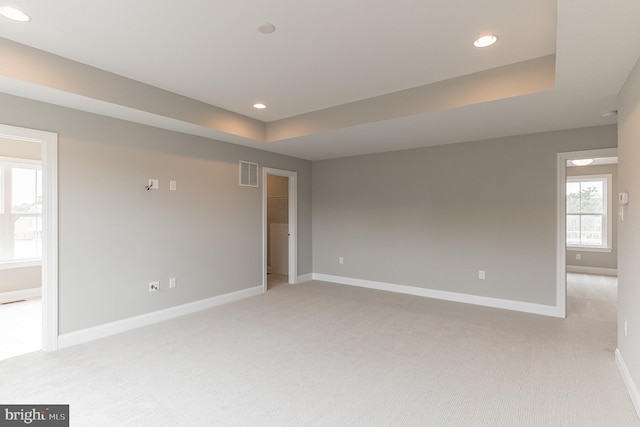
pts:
pixel 20 210
pixel 588 211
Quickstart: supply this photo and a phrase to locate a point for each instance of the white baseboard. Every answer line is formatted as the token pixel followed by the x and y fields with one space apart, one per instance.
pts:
pixel 112 328
pixel 632 388
pixel 20 295
pixel 305 278
pixel 526 307
pixel 592 270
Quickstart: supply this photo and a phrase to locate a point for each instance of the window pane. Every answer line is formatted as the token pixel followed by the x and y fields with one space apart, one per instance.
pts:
pixel 573 229
pixel 591 197
pixel 27 237
pixel 573 197
pixel 24 191
pixel 591 230
pixel 1 190
pixel 587 211
pixel 39 188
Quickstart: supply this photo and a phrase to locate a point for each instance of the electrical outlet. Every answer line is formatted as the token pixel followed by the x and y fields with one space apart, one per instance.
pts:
pixel 154 184
pixel 341 260
pixel 481 274
pixel 578 257
pixel 172 282
pixel 154 286
pixel 172 185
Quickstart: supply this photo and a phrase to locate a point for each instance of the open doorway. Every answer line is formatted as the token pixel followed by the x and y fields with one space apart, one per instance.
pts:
pixel 20 247
pixel 28 248
pixel 277 230
pixel 279 227
pixel 587 234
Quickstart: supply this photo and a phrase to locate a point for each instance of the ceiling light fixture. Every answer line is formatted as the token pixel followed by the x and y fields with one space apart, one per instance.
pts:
pixel 611 113
pixel 14 14
pixel 582 162
pixel 260 106
pixel 485 41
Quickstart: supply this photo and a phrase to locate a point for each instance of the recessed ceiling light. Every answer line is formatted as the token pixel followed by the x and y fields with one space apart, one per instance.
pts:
pixel 259 106
pixel 582 162
pixel 13 13
pixel 266 28
pixel 485 41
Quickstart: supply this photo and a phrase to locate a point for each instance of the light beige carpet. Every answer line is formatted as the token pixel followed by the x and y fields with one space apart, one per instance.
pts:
pixel 332 355
pixel 20 327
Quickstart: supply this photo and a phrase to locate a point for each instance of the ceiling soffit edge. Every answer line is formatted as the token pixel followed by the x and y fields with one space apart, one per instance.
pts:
pixel 36 68
pixel 522 78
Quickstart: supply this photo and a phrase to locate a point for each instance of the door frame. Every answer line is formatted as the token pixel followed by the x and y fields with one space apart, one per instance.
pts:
pixel 561 250
pixel 49 159
pixel 292 198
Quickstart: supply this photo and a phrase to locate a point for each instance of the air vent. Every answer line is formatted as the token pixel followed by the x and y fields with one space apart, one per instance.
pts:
pixel 248 174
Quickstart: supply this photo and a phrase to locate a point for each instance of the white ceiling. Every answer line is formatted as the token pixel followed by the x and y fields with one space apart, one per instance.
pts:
pixel 327 53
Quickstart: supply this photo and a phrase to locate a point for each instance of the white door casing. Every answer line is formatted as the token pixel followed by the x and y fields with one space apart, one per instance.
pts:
pixel 49 141
pixel 293 222
pixel 561 256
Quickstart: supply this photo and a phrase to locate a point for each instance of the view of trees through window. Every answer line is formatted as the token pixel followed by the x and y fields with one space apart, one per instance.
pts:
pixel 586 212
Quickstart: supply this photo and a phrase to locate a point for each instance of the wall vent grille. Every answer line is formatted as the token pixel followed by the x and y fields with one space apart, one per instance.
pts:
pixel 248 174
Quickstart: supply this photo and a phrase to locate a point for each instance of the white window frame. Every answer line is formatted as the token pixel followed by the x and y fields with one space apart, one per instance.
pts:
pixel 608 213
pixel 6 216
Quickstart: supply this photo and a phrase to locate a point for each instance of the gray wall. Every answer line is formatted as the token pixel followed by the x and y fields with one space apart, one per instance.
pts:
pixel 115 237
pixel 607 260
pixel 20 149
pixel 15 279
pixel 629 229
pixel 433 217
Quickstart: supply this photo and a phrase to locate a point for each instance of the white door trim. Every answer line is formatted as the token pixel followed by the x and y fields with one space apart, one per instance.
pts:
pixel 561 258
pixel 293 223
pixel 49 141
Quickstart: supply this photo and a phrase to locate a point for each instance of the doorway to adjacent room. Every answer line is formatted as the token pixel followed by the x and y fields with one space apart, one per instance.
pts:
pixel 279 226
pixel 587 244
pixel 28 244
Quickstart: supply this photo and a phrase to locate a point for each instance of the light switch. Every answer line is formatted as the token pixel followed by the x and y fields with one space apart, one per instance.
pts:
pixel 172 185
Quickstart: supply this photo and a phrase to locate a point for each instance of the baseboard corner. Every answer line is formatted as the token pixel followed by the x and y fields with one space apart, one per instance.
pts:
pixel 521 306
pixel 600 271
pixel 20 295
pixel 124 325
pixel 631 385
pixel 305 278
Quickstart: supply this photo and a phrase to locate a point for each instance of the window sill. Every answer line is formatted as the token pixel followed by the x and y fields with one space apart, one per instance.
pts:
pixel 588 249
pixel 20 264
